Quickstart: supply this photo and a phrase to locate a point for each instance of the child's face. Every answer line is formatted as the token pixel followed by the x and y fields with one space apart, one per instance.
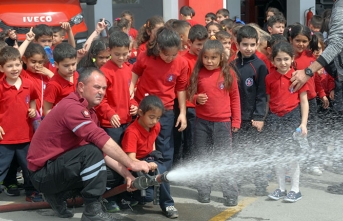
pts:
pixel 208 20
pixel 220 17
pixel 12 69
pixel 150 118
pixel 212 30
pixel 269 14
pixel 57 38
pixel 211 59
pixel 119 55
pixel 282 61
pixel 318 52
pixel 152 33
pixel 226 42
pixel 262 47
pixel 277 28
pixel 102 58
pixel 129 18
pixel 169 54
pixel 66 68
pixel 196 46
pixel 300 43
pixel 45 40
pixel 247 47
pixel 184 36
pixel 34 63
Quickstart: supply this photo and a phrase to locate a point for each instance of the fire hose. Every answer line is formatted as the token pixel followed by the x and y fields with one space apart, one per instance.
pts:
pixel 142 182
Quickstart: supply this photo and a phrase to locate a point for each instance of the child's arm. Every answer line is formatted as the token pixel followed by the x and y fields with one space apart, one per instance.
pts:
pixel 32 109
pixel 133 84
pixel 261 98
pixel 71 39
pixel 30 36
pixel 320 91
pixel 47 106
pixel 99 28
pixel 235 104
pixel 304 112
pixel 2 132
pixel 181 120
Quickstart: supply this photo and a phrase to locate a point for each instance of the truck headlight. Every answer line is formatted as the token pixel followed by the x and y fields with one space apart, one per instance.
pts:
pixel 77 19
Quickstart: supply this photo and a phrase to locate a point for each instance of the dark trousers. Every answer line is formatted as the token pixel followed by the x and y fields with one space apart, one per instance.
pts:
pixel 7 153
pixel 81 168
pixel 213 138
pixel 116 133
pixel 11 177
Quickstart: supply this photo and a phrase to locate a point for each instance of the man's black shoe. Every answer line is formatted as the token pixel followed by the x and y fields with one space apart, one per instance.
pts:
pixel 59 205
pixel 95 212
pixel 336 189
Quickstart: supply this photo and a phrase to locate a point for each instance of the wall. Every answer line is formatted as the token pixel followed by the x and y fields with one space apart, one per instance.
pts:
pixel 296 10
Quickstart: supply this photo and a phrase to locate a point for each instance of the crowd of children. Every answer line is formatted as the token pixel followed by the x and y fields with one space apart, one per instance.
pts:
pixel 175 91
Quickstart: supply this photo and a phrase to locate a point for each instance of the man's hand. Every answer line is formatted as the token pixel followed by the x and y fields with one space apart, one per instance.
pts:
pixel 140 166
pixel 2 132
pixel 258 124
pixel 31 113
pixel 299 78
pixel 133 110
pixel 202 98
pixel 115 121
pixel 182 121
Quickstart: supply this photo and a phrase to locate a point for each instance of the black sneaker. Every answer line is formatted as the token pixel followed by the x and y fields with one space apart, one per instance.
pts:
pixel 336 189
pixel 59 205
pixel 204 197
pixel 95 212
pixel 171 212
pixel 12 190
pixel 277 194
pixel 230 201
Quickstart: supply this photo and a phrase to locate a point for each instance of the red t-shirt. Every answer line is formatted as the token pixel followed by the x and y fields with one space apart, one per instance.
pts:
pixel 282 101
pixel 2 74
pixel 58 88
pixel 14 105
pixel 191 60
pixel 69 125
pixel 133 33
pixel 328 82
pixel 221 105
pixel 264 58
pixel 39 82
pixel 192 22
pixel 117 98
pixel 141 48
pixel 159 78
pixel 138 140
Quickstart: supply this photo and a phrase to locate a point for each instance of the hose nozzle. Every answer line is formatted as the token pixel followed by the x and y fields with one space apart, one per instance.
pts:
pixel 143 182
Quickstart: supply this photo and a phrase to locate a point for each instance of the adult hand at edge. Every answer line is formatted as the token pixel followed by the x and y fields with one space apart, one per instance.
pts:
pixel 299 78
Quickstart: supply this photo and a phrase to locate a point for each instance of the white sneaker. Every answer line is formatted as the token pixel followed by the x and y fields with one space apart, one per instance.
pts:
pixel 316 171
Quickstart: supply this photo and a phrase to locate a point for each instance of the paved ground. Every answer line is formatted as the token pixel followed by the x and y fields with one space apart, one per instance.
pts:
pixel 316 205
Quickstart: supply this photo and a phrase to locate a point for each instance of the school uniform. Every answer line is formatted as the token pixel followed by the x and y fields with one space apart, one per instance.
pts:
pixel 162 79
pixel 133 33
pixel 117 99
pixel 264 58
pixel 58 88
pixel 192 22
pixel 141 48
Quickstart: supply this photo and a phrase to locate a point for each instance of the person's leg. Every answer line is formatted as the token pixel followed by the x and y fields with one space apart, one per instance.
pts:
pixel 10 181
pixel 294 195
pixel 113 180
pixel 116 133
pixel 188 133
pixel 6 155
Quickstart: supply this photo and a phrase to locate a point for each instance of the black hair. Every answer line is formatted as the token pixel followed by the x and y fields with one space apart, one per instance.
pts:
pixel 119 39
pixel 219 26
pixel 180 26
pixel 211 15
pixel 96 47
pixel 59 29
pixel 165 38
pixel 113 29
pixel 121 23
pixel 224 12
pixel 33 49
pixel 274 39
pixel 42 29
pixel 316 21
pixel 149 25
pixel 278 18
pixel 236 28
pixel 224 66
pixel 221 35
pixel 320 38
pixel 63 51
pixel 169 23
pixel 2 44
pixel 246 32
pixel 274 10
pixel 282 47
pixel 151 102
pixel 296 30
pixel 326 21
pixel 197 32
pixel 228 23
pixel 86 73
pixel 9 53
pixel 129 13
pixel 187 11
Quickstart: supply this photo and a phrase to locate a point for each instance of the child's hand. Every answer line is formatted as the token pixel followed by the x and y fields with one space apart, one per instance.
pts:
pixel 258 124
pixel 182 121
pixel 303 129
pixel 115 121
pixel 332 95
pixel 65 25
pixel 32 113
pixel 133 110
pixel 2 132
pixel 44 71
pixel 81 52
pixel 227 52
pixel 325 101
pixel 12 34
pixel 101 26
pixel 202 98
pixel 152 166
pixel 235 129
pixel 30 36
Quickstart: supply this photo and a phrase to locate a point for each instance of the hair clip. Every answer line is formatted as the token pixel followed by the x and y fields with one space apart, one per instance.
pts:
pixel 94 60
pixel 213 37
pixel 117 19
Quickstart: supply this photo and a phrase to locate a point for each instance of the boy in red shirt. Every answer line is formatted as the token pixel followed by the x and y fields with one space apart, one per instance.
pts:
pixel 17 108
pixel 65 78
pixel 182 28
pixel 117 108
pixel 187 14
pixel 60 32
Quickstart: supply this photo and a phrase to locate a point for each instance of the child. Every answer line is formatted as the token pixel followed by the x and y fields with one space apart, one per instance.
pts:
pixel 187 13
pixel 213 28
pixel 139 144
pixel 182 28
pixel 97 55
pixel 225 38
pixel 228 24
pixel 269 13
pixel 235 30
pixel 65 78
pixel 123 24
pixel 60 32
pixel 210 17
pixel 17 109
pixel 129 16
pixel 147 33
pixel 116 109
pixel 251 75
pixel 214 90
pixel 276 24
pixel 43 35
pixel 222 14
pixel 284 117
pixel 315 23
pixel 163 73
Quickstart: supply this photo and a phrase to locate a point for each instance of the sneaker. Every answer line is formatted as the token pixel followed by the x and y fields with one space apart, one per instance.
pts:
pixel 112 206
pixel 95 212
pixel 316 171
pixel 230 201
pixel 171 212
pixel 204 197
pixel 34 197
pixel 59 205
pixel 277 194
pixel 336 189
pixel 292 197
pixel 12 190
pixel 125 204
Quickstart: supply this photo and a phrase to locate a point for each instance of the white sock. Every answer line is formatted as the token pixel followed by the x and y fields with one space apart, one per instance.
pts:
pixel 281 173
pixel 295 174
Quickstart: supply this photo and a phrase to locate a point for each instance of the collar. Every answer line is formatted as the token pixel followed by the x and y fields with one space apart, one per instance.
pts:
pixel 245 60
pixel 7 86
pixel 141 129
pixel 63 82
pixel 76 97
